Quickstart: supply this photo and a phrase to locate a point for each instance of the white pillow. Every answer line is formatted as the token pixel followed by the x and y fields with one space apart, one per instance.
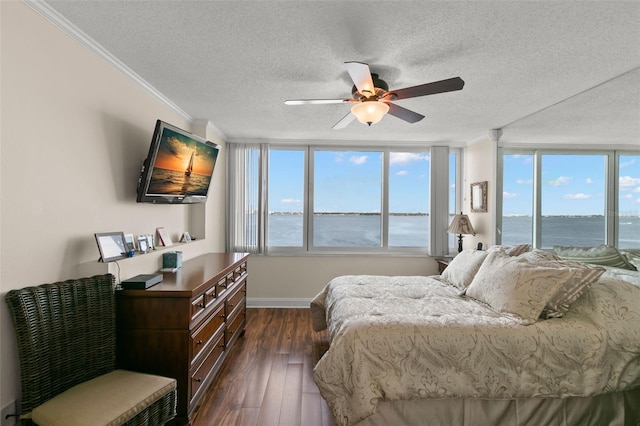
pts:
pixel 516 250
pixel 463 268
pixel 515 286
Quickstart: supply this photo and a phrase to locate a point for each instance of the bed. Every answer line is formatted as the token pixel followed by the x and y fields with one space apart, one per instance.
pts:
pixel 498 339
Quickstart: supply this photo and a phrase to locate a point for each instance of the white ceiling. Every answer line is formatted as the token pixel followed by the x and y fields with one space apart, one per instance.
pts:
pixel 558 72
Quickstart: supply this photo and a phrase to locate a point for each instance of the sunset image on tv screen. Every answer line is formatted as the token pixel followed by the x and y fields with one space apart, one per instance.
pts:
pixel 183 166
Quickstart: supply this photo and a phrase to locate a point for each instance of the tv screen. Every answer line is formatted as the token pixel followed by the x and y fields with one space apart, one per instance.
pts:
pixel 178 168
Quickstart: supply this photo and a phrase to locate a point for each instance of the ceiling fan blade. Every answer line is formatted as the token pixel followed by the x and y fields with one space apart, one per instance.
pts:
pixel 448 85
pixel 361 76
pixel 403 113
pixel 317 101
pixel 344 122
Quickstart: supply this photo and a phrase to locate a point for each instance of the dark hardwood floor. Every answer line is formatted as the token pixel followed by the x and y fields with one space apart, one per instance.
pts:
pixel 267 377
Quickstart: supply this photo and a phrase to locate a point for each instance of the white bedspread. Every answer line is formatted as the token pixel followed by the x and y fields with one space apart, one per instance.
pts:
pixel 395 338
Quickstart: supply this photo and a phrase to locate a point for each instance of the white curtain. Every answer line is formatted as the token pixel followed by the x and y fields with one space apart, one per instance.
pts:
pixel 245 230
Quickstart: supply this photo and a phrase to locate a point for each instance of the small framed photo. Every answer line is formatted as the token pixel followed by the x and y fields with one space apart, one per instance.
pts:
pixel 186 237
pixel 143 244
pixel 128 238
pixel 165 239
pixel 150 243
pixel 112 246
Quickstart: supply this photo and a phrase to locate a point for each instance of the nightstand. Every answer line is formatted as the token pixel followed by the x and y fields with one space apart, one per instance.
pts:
pixel 442 262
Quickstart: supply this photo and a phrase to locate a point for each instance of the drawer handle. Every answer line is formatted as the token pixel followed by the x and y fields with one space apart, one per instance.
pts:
pixel 231 305
pixel 201 305
pixel 199 342
pixel 230 332
pixel 198 380
pixel 221 345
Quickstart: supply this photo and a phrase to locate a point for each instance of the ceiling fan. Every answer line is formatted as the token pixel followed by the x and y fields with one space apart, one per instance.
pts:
pixel 372 97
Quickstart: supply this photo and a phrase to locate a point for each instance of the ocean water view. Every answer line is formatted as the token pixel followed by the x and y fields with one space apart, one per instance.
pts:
pixel 164 181
pixel 363 230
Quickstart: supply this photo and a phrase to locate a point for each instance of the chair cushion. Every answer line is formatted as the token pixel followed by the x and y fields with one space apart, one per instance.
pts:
pixel 110 399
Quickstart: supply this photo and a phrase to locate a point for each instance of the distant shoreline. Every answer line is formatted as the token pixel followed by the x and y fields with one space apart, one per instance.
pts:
pixel 427 214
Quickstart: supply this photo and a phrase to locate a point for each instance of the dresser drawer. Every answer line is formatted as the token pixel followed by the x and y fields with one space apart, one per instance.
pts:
pixel 235 299
pixel 199 376
pixel 235 324
pixel 211 295
pixel 197 307
pixel 201 339
pixel 222 285
pixel 240 270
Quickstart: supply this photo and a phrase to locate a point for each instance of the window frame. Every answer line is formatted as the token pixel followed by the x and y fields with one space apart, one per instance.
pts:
pixel 611 188
pixel 307 247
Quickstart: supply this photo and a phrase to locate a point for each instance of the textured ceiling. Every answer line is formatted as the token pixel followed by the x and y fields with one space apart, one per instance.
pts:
pixel 544 71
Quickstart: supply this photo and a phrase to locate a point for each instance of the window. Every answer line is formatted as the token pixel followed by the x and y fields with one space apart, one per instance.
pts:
pixel 409 199
pixel 517 199
pixel 321 199
pixel 553 198
pixel 573 200
pixel 285 222
pixel 628 201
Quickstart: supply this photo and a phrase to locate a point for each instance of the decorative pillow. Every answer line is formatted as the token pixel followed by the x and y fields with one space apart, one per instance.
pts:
pixel 584 276
pixel 515 286
pixel 516 250
pixel 463 268
pixel 601 255
pixel 633 256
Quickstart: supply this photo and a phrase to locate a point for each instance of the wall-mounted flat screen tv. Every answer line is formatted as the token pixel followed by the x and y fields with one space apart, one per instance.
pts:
pixel 178 168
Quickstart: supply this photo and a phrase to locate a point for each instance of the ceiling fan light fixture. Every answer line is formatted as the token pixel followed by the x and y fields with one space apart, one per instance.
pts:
pixel 369 112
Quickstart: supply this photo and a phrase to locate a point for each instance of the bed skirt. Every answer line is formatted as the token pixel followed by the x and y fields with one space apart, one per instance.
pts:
pixel 613 409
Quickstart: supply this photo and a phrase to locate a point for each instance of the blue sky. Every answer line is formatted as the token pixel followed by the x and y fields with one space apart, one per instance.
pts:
pixel 349 182
pixel 571 185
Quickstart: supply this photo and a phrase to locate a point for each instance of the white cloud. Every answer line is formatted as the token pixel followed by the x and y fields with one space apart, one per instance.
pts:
pixel 626 182
pixel 576 196
pixel 506 194
pixel 631 162
pixel 627 196
pixel 361 159
pixel 290 201
pixel 406 157
pixel 561 180
pixel 402 173
pixel 589 181
pixel 524 181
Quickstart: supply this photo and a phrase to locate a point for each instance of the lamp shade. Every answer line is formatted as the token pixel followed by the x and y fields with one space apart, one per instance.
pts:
pixel 461 225
pixel 369 112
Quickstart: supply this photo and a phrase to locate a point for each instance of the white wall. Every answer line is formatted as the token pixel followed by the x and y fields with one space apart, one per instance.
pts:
pixel 74 133
pixel 481 165
pixel 295 280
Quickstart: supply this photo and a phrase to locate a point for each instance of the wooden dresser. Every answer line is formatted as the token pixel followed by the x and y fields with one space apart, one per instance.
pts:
pixel 183 327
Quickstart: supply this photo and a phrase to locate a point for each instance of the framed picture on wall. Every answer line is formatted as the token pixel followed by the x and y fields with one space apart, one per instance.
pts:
pixel 479 197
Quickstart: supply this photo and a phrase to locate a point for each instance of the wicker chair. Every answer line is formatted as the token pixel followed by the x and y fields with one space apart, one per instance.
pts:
pixel 66 333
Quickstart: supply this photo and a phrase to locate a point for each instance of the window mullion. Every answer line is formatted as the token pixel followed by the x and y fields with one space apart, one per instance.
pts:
pixel 537 199
pixel 385 199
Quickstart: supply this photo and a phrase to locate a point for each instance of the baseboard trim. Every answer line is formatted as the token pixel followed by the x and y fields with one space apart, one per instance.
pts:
pixel 264 302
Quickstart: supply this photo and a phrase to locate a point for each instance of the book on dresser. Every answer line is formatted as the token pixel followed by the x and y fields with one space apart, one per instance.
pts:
pixel 184 326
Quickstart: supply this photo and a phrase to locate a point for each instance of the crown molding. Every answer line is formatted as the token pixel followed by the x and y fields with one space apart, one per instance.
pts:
pixel 51 15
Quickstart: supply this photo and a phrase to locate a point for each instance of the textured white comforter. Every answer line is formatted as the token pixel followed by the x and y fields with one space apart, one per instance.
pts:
pixel 396 338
